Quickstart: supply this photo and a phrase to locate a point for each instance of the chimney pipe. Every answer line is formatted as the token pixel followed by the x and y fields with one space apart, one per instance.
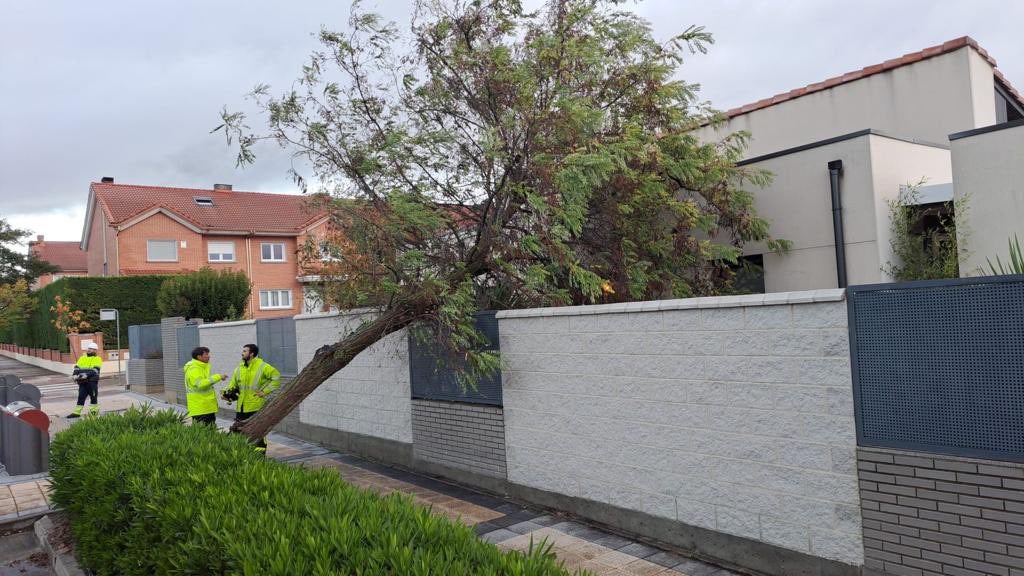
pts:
pixel 39 238
pixel 222 186
pixel 107 180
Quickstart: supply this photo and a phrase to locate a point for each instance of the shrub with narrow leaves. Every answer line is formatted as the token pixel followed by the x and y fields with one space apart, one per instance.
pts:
pixel 147 495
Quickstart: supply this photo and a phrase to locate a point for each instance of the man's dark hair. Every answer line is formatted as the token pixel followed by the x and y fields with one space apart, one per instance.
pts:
pixel 199 351
pixel 254 349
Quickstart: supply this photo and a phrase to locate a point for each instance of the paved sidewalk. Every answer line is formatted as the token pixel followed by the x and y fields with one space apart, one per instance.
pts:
pixel 24 499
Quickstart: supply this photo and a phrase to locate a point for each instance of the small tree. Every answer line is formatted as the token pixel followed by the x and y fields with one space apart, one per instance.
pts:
pixel 15 303
pixel 14 264
pixel 66 319
pixel 207 294
pixel 510 158
pixel 926 243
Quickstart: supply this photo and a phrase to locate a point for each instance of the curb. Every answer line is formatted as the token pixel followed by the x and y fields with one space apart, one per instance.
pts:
pixel 63 564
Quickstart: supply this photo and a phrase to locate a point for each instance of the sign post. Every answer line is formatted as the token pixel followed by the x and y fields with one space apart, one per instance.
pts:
pixel 113 314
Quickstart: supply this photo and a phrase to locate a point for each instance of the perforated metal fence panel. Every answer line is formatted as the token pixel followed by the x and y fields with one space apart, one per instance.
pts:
pixel 188 339
pixel 938 366
pixel 145 342
pixel 276 339
pixel 433 378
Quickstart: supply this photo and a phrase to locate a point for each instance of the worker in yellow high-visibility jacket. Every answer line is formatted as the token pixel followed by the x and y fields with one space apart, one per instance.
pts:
pixel 200 395
pixel 250 384
pixel 87 375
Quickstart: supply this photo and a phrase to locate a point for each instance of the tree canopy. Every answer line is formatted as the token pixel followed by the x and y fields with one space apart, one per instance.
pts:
pixel 495 156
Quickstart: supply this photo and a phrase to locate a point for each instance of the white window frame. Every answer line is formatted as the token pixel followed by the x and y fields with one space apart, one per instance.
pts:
pixel 272 259
pixel 220 253
pixel 149 254
pixel 267 298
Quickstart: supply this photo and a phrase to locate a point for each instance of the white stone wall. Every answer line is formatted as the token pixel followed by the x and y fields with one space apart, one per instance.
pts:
pixel 225 341
pixel 733 414
pixel 371 396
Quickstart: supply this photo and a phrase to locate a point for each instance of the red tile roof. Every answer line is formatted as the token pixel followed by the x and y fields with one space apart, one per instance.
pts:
pixel 67 255
pixel 232 210
pixel 943 48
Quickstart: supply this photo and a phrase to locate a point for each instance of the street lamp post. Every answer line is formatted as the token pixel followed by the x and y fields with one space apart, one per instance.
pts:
pixel 113 314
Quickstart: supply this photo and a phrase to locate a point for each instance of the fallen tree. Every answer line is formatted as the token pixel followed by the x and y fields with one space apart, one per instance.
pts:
pixel 507 159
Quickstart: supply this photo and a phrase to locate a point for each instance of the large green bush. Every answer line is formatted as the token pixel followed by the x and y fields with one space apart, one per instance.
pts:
pixel 207 294
pixel 134 296
pixel 147 495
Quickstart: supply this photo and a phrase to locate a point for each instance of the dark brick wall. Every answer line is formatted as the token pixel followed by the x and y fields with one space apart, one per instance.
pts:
pixel 930 515
pixel 464 436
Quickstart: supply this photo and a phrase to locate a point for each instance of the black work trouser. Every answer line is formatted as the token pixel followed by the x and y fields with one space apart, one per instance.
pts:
pixel 89 389
pixel 242 417
pixel 208 419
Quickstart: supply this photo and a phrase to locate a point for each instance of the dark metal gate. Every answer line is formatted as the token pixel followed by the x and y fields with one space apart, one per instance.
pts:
pixel 938 366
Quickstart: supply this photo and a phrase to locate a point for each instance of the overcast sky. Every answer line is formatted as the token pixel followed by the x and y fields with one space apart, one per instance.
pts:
pixel 132 89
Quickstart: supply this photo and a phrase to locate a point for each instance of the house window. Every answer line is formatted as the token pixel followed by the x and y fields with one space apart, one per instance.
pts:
pixel 203 201
pixel 220 251
pixel 162 250
pixel 326 252
pixel 275 299
pixel 272 251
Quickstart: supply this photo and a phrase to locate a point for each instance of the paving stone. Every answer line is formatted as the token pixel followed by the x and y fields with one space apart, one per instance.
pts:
pixel 524 527
pixel 666 559
pixel 639 550
pixel 499 535
pixel 613 541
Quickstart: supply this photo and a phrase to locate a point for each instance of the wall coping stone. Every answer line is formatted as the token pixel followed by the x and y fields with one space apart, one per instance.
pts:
pixel 333 313
pixel 226 324
pixel 770 299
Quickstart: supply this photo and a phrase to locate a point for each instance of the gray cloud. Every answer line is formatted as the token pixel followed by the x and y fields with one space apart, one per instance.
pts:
pixel 132 89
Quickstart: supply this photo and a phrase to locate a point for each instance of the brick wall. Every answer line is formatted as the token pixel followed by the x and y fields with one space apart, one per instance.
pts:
pixel 732 414
pixel 927 514
pixel 225 341
pixel 371 396
pixel 464 436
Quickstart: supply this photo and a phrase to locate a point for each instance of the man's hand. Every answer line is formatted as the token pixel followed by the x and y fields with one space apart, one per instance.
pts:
pixel 260 394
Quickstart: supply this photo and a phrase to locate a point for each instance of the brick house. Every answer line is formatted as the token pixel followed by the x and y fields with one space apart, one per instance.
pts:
pixel 68 256
pixel 137 229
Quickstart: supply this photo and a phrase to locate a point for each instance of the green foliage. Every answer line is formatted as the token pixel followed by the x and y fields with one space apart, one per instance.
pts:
pixel 133 296
pixel 15 304
pixel 15 265
pixel 925 252
pixel 206 293
pixel 147 495
pixel 1015 264
pixel 545 157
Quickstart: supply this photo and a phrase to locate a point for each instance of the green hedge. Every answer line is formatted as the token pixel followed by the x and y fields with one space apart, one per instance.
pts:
pixel 134 296
pixel 147 495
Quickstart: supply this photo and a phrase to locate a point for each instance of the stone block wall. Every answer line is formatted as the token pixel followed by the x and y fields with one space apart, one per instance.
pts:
pixel 464 436
pixel 728 414
pixel 146 375
pixel 371 396
pixel 174 378
pixel 927 514
pixel 225 341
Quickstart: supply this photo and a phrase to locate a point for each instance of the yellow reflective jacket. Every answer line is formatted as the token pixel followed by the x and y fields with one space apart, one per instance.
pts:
pixel 90 366
pixel 257 376
pixel 199 392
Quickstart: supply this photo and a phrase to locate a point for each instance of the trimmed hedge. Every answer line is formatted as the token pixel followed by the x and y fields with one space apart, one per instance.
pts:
pixel 134 296
pixel 147 495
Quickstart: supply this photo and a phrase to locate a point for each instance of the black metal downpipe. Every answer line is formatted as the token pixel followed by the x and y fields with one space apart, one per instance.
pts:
pixel 835 169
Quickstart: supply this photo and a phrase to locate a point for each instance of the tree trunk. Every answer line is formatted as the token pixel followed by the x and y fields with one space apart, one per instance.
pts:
pixel 328 360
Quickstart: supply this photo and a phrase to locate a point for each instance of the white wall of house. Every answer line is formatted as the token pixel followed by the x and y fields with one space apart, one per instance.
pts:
pixel 736 418
pixel 989 168
pixel 798 206
pixel 926 100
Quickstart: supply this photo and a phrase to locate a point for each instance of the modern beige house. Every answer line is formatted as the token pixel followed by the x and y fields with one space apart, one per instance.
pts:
pixel 863 135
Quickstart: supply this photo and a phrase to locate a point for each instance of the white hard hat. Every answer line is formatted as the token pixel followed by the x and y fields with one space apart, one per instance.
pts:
pixel 91 346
